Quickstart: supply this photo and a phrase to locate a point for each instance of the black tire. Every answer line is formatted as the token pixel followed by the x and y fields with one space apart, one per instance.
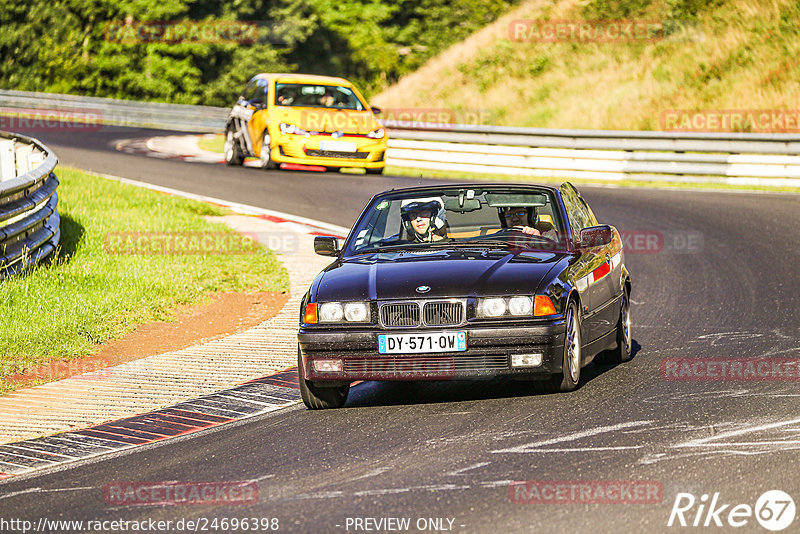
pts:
pixel 265 160
pixel 622 353
pixel 332 169
pixel 233 154
pixel 375 171
pixel 569 378
pixel 317 398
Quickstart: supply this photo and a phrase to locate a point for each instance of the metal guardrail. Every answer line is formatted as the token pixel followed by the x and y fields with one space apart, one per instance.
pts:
pixel 94 111
pixel 738 158
pixel 29 220
pixel 752 159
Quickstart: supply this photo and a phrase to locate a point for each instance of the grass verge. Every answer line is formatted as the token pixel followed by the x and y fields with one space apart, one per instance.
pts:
pixel 88 294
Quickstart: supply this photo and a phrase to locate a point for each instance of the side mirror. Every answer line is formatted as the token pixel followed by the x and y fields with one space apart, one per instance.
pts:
pixel 596 236
pixel 376 111
pixel 326 245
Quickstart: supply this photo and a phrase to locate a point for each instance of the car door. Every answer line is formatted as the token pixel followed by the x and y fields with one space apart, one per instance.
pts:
pixel 607 287
pixel 590 270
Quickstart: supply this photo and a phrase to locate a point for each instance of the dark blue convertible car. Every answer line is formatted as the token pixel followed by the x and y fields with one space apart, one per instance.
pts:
pixel 465 281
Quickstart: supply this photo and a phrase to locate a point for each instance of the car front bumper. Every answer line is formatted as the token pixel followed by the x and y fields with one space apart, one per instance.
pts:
pixel 489 351
pixel 369 154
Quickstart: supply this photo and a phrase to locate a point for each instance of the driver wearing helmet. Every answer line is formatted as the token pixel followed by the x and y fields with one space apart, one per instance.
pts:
pixel 423 220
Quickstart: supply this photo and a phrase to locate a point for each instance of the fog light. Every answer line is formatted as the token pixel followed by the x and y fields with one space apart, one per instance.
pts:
pixel 328 366
pixel 526 360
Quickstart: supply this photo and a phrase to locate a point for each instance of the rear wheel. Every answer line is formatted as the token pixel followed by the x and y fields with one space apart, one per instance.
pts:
pixel 265 161
pixel 233 155
pixel 568 379
pixel 622 353
pixel 317 398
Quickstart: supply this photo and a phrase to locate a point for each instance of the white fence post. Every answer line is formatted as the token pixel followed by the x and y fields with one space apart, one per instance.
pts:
pixel 23 153
pixel 7 167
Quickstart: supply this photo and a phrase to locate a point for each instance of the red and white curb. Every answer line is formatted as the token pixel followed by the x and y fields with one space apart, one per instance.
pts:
pixel 178 147
pixel 242 402
pixel 287 221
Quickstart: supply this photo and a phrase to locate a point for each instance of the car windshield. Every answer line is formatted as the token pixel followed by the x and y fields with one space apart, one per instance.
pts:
pixel 317 96
pixel 505 218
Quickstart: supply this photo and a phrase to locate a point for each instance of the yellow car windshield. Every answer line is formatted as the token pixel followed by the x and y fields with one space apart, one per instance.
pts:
pixel 317 96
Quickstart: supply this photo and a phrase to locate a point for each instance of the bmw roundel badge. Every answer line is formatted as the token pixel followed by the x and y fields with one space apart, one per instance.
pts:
pixel 423 289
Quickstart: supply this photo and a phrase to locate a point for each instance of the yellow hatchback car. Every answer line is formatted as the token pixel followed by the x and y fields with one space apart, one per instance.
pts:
pixel 305 119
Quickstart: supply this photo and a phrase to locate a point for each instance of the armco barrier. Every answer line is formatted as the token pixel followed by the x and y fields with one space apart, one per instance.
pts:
pixel 29 221
pixel 738 158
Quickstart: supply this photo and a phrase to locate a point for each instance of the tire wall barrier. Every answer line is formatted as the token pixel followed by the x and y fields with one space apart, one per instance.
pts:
pixel 29 220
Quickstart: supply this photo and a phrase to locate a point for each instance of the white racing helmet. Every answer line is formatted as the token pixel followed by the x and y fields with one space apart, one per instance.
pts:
pixel 434 205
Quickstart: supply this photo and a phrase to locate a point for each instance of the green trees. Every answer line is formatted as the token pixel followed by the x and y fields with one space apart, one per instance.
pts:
pixel 112 48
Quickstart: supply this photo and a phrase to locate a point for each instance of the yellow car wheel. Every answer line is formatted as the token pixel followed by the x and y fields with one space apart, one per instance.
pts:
pixel 265 160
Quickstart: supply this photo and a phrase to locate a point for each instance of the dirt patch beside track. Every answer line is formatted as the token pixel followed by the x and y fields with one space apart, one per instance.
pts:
pixel 227 313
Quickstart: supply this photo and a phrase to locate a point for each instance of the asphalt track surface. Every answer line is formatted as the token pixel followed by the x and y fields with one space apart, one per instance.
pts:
pixel 725 284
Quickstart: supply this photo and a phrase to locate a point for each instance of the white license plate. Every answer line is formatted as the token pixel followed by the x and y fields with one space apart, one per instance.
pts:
pixel 337 146
pixel 422 343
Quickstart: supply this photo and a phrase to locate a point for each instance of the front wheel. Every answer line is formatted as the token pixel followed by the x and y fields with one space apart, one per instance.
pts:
pixel 317 398
pixel 264 160
pixel 233 155
pixel 375 171
pixel 568 379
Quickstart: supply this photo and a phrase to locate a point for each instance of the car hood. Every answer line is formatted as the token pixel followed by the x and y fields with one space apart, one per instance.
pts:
pixel 448 273
pixel 328 120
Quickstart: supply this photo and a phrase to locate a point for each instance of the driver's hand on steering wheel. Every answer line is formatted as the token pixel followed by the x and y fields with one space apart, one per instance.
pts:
pixel 527 230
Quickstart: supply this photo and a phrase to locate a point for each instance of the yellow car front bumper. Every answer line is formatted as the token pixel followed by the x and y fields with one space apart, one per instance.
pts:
pixel 312 150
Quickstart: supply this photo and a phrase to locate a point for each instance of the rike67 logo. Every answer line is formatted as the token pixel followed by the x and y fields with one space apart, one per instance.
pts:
pixel 774 510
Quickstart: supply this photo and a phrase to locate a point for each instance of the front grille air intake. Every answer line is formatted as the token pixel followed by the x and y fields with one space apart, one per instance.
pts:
pixel 401 314
pixel 443 313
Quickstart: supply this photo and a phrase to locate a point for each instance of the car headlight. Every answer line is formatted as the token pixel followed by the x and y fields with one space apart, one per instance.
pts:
pixel 518 306
pixel 492 307
pixel 351 312
pixel 287 128
pixel 377 134
pixel 331 312
pixel 356 312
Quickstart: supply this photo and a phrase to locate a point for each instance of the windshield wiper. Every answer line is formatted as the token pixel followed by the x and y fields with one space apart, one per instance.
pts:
pixel 400 247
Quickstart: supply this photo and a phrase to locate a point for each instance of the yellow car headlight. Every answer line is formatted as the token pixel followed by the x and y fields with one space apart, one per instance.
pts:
pixel 291 129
